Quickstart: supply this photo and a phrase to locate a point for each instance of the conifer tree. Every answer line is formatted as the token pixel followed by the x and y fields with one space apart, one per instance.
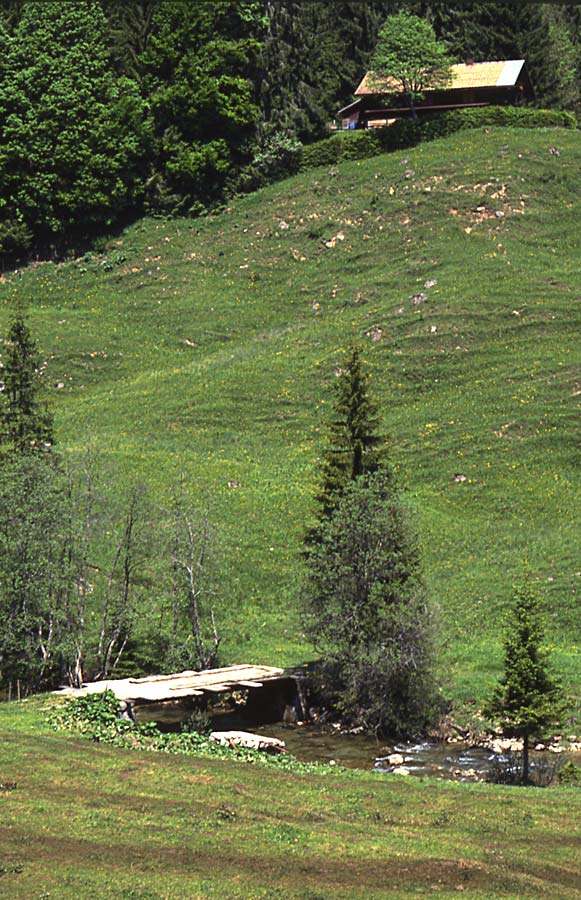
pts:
pixel 25 423
pixel 527 700
pixel 355 446
pixel 367 612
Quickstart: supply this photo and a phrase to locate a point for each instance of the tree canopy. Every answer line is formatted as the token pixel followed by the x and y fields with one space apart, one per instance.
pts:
pixel 74 135
pixel 409 56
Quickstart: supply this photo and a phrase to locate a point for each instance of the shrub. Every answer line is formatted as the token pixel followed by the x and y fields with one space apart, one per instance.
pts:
pixel 275 157
pixel 407 132
pixel 570 774
pixel 323 153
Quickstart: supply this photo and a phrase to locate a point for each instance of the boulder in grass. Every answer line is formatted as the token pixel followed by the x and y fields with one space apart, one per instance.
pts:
pixel 248 740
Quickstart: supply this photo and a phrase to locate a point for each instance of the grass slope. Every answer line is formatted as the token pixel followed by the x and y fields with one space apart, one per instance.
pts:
pixel 87 820
pixel 208 347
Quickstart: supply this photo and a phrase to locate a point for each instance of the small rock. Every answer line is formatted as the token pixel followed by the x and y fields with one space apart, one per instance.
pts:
pixel 430 283
pixel 553 151
pixel 459 478
pixel 499 214
pixel 419 298
pixel 234 484
pixel 433 329
pixel 375 334
pixel 395 759
pixel 283 226
pixel 401 770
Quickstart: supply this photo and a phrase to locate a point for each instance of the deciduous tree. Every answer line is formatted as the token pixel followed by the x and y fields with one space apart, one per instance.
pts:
pixel 74 135
pixel 409 57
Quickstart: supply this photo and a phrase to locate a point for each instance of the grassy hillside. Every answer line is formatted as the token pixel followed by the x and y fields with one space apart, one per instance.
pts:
pixel 209 347
pixel 87 820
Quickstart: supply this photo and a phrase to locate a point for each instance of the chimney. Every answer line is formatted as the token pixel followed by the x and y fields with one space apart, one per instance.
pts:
pixel 469 61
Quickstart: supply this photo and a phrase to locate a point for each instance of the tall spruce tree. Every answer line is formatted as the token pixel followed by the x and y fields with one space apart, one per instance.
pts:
pixel 527 700
pixel 355 445
pixel 25 423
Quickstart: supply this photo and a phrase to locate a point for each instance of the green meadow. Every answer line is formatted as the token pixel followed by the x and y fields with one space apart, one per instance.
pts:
pixel 207 349
pixel 86 820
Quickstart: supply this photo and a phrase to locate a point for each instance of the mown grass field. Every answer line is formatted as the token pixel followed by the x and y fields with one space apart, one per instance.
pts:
pixel 85 820
pixel 209 348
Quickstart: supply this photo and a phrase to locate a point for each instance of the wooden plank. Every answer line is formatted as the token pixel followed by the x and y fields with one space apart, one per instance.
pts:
pixel 250 684
pixel 219 688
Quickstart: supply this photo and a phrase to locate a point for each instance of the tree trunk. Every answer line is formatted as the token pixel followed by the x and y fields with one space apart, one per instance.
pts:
pixel 413 107
pixel 525 759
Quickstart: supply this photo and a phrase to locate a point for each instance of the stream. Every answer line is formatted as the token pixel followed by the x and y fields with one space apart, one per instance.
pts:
pixel 313 743
pixel 458 762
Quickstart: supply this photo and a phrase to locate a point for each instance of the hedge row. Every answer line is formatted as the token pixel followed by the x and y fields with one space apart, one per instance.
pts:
pixel 407 132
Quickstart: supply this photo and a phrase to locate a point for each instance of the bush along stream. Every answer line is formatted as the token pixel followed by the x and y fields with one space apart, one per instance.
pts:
pixel 314 749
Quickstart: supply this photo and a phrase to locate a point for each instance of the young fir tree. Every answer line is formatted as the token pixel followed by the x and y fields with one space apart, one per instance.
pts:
pixel 527 700
pixel 25 423
pixel 356 447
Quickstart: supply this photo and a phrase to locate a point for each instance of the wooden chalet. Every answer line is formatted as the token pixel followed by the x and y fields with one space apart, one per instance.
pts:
pixel 381 102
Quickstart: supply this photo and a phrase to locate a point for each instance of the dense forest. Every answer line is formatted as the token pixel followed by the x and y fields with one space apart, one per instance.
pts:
pixel 113 108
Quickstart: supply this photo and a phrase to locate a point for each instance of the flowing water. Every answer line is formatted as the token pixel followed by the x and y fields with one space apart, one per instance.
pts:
pixel 459 761
pixel 439 759
pixel 312 743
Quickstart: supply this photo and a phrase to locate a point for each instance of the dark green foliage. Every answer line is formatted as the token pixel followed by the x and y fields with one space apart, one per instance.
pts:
pixel 196 71
pixel 322 153
pixel 527 700
pixel 555 60
pixel 74 136
pixel 366 610
pixel 407 133
pixel 355 447
pixel 313 55
pixel 131 25
pixel 25 424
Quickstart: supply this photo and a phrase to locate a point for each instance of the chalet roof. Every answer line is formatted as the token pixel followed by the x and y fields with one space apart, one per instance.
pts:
pixel 501 73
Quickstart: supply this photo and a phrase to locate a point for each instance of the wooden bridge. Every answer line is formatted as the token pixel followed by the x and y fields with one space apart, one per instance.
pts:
pixel 207 684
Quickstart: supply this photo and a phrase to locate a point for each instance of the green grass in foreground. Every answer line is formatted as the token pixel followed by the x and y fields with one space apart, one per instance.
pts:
pixel 209 348
pixel 85 820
